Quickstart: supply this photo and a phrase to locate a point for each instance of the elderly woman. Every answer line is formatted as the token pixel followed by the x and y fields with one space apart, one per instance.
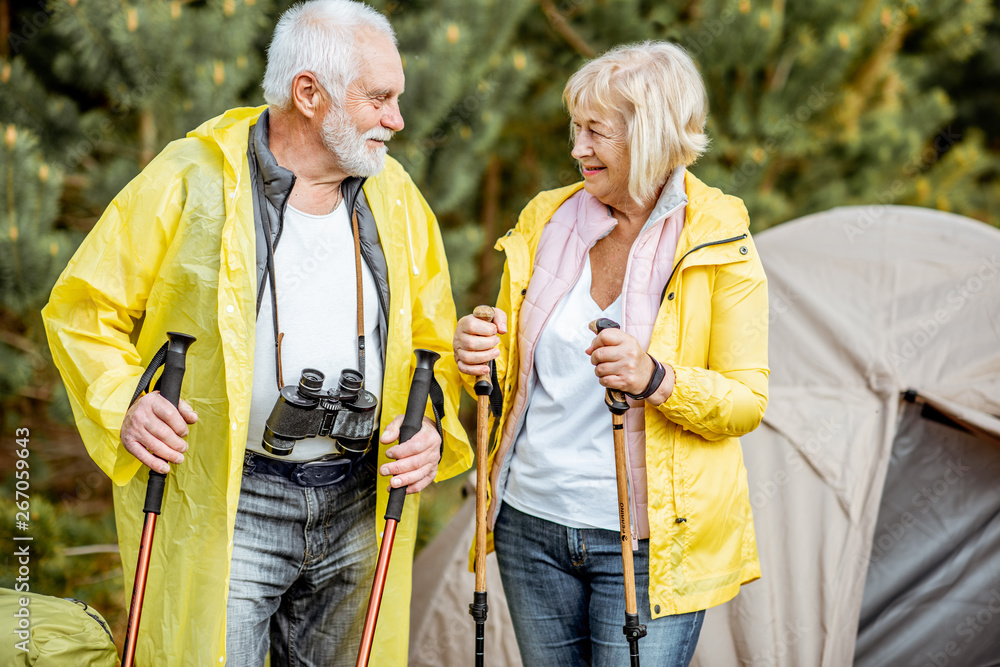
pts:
pixel 643 242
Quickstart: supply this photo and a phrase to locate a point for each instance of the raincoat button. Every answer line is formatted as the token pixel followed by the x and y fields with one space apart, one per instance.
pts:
pixel 670 297
pixel 656 609
pixel 743 250
pixel 229 309
pixel 523 292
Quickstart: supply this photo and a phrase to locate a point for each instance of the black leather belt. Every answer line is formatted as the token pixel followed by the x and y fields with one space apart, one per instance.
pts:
pixel 321 472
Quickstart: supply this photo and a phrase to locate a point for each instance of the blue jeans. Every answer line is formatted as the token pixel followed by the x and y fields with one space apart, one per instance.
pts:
pixel 302 569
pixel 565 590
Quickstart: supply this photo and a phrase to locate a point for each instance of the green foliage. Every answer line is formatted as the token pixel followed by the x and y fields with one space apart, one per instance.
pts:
pixel 26 103
pixel 813 105
pixel 32 254
pixel 464 78
pixel 70 556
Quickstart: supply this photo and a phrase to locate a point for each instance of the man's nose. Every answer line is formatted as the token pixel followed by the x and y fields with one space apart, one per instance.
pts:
pixel 393 118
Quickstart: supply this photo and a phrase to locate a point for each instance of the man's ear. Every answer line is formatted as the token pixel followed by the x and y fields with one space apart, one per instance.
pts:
pixel 307 94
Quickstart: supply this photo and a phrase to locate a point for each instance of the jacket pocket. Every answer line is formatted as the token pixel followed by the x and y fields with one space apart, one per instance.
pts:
pixel 712 494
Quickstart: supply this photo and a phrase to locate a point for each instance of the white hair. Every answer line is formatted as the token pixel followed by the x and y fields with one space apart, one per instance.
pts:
pixel 318 36
pixel 657 88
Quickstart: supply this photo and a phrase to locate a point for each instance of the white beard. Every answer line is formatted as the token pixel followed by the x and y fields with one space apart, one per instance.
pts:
pixel 342 138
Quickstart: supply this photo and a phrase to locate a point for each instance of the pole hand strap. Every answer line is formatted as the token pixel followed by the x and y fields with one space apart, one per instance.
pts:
pixel 496 394
pixel 437 405
pixel 147 375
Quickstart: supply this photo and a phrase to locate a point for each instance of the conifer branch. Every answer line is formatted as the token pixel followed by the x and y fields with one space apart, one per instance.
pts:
pixel 91 549
pixel 490 213
pixel 558 22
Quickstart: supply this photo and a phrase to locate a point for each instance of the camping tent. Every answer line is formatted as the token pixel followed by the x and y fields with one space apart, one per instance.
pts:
pixel 441 630
pixel 873 476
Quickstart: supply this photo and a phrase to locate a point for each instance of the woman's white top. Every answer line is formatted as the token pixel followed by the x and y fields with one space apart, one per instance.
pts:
pixel 563 466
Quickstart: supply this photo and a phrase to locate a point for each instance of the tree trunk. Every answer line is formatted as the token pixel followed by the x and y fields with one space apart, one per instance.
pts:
pixel 490 212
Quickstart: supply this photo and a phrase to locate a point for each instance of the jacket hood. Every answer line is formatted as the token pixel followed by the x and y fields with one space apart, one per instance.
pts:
pixel 229 132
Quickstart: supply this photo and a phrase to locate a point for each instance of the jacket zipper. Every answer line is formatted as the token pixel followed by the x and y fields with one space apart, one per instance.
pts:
pixel 697 247
pixel 675 482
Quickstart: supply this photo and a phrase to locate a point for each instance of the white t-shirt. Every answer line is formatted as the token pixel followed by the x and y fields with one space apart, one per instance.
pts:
pixel 316 282
pixel 563 466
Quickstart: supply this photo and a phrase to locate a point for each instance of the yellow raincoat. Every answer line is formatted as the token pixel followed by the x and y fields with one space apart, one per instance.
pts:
pixel 175 252
pixel 715 317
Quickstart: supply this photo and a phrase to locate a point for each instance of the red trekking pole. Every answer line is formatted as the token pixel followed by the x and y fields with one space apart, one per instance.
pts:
pixel 170 388
pixel 412 420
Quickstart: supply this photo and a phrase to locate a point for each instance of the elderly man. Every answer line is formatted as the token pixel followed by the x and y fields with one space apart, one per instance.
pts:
pixel 293 210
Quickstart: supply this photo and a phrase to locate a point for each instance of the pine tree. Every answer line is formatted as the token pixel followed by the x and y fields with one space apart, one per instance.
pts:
pixel 89 92
pixel 465 79
pixel 157 70
pixel 813 105
pixel 32 253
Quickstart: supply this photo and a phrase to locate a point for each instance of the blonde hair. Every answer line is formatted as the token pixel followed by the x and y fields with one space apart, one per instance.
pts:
pixel 656 87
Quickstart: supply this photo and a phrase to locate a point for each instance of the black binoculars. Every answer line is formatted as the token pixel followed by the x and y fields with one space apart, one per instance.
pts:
pixel 305 411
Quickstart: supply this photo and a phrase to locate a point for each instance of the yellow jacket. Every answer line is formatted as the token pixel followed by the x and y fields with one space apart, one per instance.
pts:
pixel 175 252
pixel 712 329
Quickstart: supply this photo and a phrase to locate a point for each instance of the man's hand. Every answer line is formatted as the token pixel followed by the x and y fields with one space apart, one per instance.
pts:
pixel 416 460
pixel 153 431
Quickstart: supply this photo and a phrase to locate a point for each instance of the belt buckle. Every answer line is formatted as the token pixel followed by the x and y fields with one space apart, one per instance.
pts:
pixel 249 464
pixel 317 473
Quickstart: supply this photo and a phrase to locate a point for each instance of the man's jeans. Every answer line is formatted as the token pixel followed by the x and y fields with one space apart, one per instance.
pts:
pixel 565 590
pixel 302 569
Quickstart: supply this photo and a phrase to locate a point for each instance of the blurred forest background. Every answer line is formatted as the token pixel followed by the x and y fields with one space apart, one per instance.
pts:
pixel 814 104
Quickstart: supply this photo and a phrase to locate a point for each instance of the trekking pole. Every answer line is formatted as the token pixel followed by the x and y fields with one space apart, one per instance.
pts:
pixel 479 609
pixel 615 400
pixel 412 420
pixel 170 389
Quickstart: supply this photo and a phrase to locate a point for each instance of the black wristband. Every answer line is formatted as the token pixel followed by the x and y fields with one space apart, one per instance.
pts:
pixel 654 381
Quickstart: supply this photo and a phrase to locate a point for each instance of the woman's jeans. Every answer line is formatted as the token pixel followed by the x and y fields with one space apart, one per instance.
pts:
pixel 565 590
pixel 302 569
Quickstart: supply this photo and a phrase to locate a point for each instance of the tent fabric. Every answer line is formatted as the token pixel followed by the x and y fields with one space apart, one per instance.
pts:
pixel 442 632
pixel 932 594
pixel 866 303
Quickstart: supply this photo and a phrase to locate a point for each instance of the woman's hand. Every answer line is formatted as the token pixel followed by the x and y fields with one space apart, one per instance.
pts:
pixel 621 363
pixel 476 342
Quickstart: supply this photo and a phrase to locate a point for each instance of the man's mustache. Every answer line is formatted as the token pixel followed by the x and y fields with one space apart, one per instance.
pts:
pixel 378 134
